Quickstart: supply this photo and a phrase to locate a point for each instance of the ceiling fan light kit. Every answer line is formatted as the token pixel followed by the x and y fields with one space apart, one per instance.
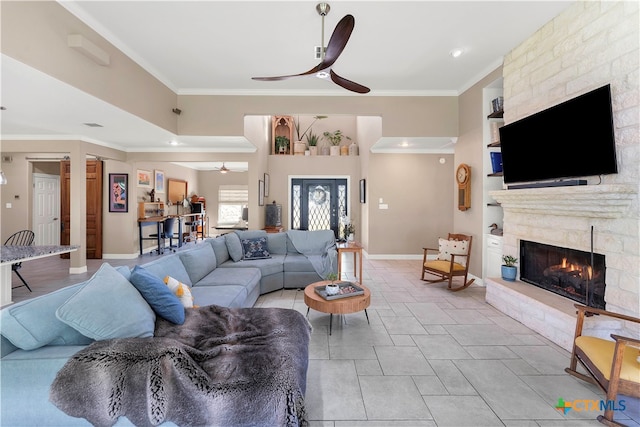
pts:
pixel 330 54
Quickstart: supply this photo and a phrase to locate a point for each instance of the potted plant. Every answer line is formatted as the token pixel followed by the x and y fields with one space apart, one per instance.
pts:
pixel 509 268
pixel 335 138
pixel 332 288
pixel 299 145
pixel 312 140
pixel 282 144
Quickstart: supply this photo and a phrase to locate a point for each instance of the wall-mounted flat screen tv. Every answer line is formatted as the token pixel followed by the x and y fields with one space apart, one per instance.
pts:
pixel 569 140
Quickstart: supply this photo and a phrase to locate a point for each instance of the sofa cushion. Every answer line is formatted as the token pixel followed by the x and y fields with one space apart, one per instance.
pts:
pixel 298 262
pixel 251 234
pixel 267 267
pixel 277 243
pixel 180 290
pixel 158 295
pixel 245 276
pixel 233 246
pixel 169 264
pixel 219 245
pixel 199 262
pixel 33 323
pixel 255 248
pixel 232 296
pixel 108 306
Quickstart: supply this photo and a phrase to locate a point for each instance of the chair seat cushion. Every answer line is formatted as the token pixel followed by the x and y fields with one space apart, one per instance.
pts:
pixel 444 266
pixel 600 352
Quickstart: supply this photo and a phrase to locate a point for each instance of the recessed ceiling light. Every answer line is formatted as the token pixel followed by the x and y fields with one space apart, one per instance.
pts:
pixel 455 53
pixel 173 142
pixel 404 144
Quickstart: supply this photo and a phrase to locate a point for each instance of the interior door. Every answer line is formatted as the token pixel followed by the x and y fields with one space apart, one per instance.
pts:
pixel 94 207
pixel 46 209
pixel 317 204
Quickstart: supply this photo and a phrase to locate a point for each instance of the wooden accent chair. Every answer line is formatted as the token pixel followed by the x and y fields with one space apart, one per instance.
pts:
pixel 20 238
pixel 452 260
pixel 612 365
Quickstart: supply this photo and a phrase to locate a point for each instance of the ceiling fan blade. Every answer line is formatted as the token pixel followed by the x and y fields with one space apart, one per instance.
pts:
pixel 336 45
pixel 276 78
pixel 338 41
pixel 348 84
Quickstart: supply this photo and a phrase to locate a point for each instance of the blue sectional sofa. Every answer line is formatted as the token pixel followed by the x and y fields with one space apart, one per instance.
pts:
pixel 39 335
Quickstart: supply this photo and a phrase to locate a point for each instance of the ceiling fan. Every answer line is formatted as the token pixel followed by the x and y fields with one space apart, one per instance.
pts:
pixel 334 48
pixel 224 169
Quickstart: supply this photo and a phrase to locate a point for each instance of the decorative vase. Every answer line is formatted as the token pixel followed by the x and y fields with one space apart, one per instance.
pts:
pixel 334 150
pixel 509 273
pixel 299 147
pixel 353 149
pixel 332 289
pixel 324 150
pixel 313 150
pixel 351 237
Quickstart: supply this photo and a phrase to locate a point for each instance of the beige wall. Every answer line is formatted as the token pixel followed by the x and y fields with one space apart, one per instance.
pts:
pixel 419 195
pixel 402 116
pixel 35 33
pixel 470 150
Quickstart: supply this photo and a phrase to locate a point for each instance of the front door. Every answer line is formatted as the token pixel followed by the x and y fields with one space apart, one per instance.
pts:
pixel 318 204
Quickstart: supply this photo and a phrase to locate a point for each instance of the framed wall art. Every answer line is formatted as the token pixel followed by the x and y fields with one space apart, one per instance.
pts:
pixel 266 185
pixel 261 193
pixel 144 178
pixel 118 190
pixel 159 181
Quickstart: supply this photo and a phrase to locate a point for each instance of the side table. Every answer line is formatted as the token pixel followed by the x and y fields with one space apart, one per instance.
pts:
pixel 354 247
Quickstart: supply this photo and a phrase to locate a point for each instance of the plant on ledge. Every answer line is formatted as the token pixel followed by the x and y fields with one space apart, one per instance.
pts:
pixel 282 143
pixel 509 261
pixel 335 137
pixel 508 269
pixel 312 139
pixel 297 125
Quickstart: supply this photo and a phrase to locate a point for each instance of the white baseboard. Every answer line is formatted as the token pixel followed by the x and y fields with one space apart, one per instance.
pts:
pixel 125 256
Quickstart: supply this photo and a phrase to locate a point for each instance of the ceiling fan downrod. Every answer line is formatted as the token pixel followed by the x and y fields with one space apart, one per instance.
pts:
pixel 323 9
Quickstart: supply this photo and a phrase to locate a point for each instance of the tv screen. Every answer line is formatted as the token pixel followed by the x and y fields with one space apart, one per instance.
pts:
pixel 569 140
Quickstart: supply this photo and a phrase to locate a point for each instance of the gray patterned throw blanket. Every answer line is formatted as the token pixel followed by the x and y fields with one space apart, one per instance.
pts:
pixel 222 367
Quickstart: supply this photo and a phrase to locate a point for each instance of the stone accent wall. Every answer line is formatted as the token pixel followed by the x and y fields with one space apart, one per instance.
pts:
pixel 589 45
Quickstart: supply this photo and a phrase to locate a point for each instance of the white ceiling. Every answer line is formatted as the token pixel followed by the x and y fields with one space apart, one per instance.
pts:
pixel 215 47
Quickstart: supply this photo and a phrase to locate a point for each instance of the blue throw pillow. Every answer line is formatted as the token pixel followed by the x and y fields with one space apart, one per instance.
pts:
pixel 255 248
pixel 108 306
pixel 160 298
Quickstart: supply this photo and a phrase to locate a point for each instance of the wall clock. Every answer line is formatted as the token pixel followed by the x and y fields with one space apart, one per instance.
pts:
pixel 463 177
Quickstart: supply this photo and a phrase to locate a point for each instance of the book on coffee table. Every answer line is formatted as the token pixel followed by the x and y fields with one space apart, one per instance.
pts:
pixel 347 289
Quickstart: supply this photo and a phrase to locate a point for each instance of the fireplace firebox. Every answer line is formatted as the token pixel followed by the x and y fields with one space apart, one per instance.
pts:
pixel 574 274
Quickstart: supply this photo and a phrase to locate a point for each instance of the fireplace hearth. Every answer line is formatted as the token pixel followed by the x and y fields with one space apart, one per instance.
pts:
pixel 571 273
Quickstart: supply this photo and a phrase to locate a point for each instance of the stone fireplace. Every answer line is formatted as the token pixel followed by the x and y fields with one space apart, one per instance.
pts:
pixel 564 217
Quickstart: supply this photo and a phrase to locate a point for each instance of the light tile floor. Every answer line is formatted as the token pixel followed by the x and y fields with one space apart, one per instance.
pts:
pixel 429 357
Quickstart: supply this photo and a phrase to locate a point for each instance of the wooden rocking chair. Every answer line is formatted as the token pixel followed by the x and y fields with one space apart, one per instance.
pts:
pixel 612 365
pixel 452 260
